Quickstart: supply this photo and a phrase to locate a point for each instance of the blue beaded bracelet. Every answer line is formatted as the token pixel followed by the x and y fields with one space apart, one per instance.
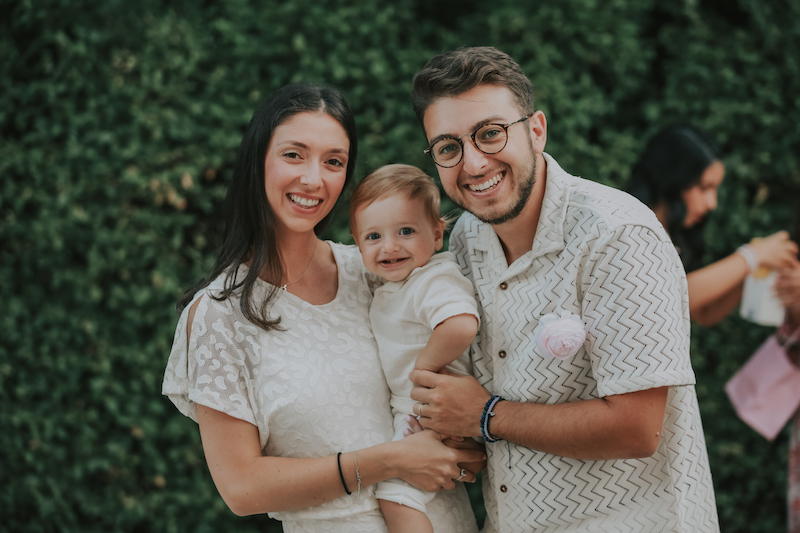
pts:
pixel 486 416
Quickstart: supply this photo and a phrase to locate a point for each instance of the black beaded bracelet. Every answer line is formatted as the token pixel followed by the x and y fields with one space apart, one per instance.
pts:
pixel 341 475
pixel 487 416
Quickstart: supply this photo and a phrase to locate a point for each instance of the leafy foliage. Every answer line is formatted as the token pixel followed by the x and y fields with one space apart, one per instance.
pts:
pixel 119 124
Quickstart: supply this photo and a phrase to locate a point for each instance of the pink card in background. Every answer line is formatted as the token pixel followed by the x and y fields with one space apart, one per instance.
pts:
pixel 766 390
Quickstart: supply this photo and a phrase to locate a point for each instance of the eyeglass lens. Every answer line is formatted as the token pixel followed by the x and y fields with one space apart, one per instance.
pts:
pixel 489 139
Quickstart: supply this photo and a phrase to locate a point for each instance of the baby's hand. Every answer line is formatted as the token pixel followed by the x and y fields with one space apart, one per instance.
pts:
pixel 415 427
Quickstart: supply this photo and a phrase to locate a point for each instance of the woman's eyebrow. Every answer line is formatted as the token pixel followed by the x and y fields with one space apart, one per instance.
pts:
pixel 299 144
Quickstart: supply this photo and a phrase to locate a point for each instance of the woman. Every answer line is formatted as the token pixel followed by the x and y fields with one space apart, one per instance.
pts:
pixel 273 355
pixel 787 286
pixel 677 177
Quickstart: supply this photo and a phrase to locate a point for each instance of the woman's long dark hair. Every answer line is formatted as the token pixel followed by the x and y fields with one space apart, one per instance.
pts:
pixel 249 231
pixel 673 161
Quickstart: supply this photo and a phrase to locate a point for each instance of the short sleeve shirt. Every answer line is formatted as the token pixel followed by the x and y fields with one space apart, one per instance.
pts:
pixel 600 254
pixel 404 314
pixel 312 389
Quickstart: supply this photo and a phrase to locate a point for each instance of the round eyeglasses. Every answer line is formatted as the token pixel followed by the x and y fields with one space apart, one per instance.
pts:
pixel 489 139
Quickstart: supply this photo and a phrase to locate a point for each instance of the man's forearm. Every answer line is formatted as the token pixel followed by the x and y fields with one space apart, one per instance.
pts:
pixel 616 427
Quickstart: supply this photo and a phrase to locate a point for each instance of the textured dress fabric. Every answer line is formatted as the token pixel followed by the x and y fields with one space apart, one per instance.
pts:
pixel 312 390
pixel 602 255
pixel 403 316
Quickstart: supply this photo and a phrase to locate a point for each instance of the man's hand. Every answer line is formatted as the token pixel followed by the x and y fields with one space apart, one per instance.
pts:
pixel 451 405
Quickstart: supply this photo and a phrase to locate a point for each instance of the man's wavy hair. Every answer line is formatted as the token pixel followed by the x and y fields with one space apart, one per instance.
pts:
pixel 456 72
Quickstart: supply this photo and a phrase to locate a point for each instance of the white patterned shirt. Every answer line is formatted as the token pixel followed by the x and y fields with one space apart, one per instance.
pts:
pixel 312 390
pixel 601 254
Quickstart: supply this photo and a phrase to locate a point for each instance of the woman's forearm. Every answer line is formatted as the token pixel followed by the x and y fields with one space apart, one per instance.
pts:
pixel 715 282
pixel 716 289
pixel 714 312
pixel 250 483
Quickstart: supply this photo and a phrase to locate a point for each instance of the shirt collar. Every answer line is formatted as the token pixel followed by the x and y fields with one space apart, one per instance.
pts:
pixel 437 258
pixel 552 219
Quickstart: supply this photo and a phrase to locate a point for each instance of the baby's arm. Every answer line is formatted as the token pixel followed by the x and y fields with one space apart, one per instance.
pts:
pixel 448 340
pixel 402 519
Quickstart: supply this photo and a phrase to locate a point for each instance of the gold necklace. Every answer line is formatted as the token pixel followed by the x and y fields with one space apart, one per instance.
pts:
pixel 307 267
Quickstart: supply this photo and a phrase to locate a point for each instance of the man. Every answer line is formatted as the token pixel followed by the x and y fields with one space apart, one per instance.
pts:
pixel 607 438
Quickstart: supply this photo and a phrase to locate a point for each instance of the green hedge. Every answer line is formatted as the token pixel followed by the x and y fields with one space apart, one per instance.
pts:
pixel 119 122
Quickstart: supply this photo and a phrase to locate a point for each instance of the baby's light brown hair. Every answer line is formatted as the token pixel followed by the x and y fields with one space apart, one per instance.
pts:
pixel 394 180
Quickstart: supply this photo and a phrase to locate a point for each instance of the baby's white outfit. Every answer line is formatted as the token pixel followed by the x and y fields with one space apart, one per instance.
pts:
pixel 403 315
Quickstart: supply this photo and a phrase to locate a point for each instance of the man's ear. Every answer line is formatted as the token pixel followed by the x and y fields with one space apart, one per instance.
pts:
pixel 538 128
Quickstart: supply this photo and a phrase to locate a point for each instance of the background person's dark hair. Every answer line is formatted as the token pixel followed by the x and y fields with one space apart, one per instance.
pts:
pixel 456 72
pixel 249 224
pixel 673 161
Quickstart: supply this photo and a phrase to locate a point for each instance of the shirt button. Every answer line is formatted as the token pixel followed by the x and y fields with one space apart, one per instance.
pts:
pixel 503 488
pixel 503 286
pixel 502 354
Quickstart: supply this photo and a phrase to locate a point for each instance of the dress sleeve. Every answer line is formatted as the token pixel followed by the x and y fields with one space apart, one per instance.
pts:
pixel 211 367
pixel 635 306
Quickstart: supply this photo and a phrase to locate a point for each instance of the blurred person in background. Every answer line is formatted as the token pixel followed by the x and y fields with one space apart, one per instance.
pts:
pixel 678 176
pixel 787 287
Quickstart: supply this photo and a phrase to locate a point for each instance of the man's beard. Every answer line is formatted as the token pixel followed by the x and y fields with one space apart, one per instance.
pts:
pixel 524 193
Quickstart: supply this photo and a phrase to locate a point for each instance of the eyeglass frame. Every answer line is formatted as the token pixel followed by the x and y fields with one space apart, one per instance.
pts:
pixel 505 127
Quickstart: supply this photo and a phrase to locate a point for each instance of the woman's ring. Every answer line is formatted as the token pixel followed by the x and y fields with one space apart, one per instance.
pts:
pixel 420 409
pixel 463 473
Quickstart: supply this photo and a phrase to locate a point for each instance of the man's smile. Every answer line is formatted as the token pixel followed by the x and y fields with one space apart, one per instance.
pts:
pixel 480 187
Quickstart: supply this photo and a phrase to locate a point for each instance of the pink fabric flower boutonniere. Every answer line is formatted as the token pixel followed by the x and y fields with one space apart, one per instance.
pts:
pixel 560 337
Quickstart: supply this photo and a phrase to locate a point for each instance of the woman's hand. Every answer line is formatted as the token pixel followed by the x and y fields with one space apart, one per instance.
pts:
pixel 424 461
pixel 459 443
pixel 468 444
pixel 776 252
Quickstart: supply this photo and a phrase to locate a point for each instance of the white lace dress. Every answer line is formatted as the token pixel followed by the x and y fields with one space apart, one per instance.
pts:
pixel 312 390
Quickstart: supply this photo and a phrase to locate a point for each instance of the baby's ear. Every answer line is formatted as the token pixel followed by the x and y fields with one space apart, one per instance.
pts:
pixel 438 234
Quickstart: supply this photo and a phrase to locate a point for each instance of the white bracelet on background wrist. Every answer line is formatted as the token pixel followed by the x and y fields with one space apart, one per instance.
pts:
pixel 750 257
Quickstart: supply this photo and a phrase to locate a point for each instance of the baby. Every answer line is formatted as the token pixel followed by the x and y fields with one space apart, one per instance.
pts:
pixel 424 316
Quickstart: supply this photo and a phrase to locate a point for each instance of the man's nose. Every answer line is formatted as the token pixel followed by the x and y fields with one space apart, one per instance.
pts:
pixel 474 160
pixel 712 200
